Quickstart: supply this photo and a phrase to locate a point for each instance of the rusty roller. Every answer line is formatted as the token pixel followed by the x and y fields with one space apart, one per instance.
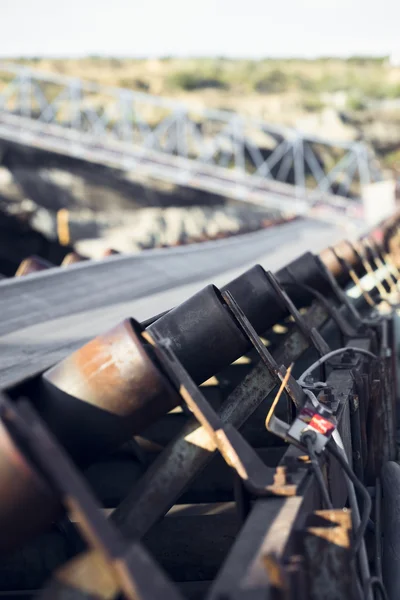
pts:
pixel 380 236
pixel 110 252
pixel 27 505
pixel 33 264
pixel 94 400
pixel 330 258
pixel 110 389
pixel 105 392
pixel 71 258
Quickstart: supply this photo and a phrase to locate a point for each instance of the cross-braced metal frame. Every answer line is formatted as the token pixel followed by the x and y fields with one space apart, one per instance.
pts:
pixel 218 151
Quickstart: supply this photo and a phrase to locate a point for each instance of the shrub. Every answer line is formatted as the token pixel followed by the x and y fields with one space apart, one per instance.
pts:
pixel 274 82
pixel 393 91
pixel 189 81
pixel 392 159
pixel 313 104
pixel 306 84
pixel 134 84
pixel 356 103
pixel 367 60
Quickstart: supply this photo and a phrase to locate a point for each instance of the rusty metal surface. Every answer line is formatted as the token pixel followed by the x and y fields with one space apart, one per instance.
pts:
pixel 111 385
pixel 72 258
pixel 330 569
pixel 275 534
pixel 33 264
pixel 266 535
pixel 28 505
pixel 192 449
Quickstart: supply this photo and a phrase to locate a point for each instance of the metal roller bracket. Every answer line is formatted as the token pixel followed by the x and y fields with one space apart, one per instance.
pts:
pixel 293 389
pixel 311 334
pixel 355 278
pixel 340 295
pixel 380 264
pixel 343 325
pixel 369 269
pixel 258 478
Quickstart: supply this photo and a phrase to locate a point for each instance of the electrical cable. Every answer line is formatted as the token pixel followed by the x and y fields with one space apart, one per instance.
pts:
pixel 377 584
pixel 362 553
pixel 316 385
pixel 378 529
pixel 367 504
pixel 317 470
pixel 356 519
pixel 312 397
pixel 329 355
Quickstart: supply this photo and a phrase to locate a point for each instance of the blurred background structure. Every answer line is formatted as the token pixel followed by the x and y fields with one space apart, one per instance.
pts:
pixel 155 126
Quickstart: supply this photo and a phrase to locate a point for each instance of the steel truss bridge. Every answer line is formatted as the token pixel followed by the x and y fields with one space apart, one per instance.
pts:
pixel 217 151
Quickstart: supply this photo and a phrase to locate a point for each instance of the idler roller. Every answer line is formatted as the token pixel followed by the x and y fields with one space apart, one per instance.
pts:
pixel 305 270
pixel 33 264
pixel 27 505
pixel 344 250
pixel 94 400
pixel 203 334
pixel 105 392
pixel 72 258
pixel 110 252
pixel 254 294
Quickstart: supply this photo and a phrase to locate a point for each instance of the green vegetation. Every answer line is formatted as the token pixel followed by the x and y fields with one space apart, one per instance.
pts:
pixel 313 104
pixel 190 81
pixel 355 102
pixel 134 84
pixel 392 160
pixel 367 77
pixel 274 82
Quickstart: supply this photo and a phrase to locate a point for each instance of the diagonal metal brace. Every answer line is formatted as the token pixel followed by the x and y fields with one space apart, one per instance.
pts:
pixel 361 253
pixel 310 334
pixel 340 295
pixel 356 280
pixel 258 478
pixel 343 325
pixel 293 389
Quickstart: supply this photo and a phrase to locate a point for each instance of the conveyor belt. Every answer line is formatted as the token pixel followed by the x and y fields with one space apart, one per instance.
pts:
pixel 48 314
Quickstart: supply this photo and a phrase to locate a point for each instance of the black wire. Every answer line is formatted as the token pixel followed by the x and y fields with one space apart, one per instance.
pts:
pixel 367 504
pixel 376 583
pixel 378 528
pixel 317 471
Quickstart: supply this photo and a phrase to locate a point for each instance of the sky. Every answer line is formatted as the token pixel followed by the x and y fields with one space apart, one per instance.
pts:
pixel 233 28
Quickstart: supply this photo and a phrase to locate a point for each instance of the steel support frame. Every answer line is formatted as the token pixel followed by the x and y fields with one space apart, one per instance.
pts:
pixel 275 533
pixel 292 147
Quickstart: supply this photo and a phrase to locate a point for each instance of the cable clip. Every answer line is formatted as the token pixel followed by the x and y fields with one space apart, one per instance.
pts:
pixel 312 419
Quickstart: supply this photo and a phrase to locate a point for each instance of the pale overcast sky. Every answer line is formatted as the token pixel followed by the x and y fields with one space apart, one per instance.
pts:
pixel 247 28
